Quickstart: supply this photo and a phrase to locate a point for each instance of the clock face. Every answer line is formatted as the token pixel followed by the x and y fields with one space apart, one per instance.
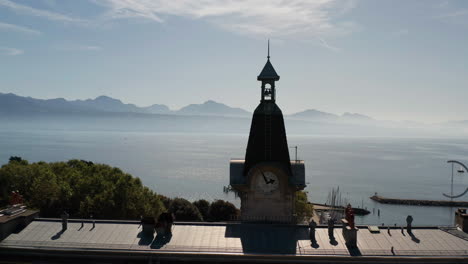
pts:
pixel 266 181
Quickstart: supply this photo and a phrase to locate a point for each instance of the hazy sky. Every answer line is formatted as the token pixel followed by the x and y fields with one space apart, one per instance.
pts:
pixel 399 60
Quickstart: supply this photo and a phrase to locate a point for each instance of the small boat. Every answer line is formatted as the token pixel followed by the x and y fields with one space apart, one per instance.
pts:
pixel 460 170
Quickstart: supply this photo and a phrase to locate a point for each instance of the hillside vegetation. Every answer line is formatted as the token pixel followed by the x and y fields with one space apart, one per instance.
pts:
pixel 84 188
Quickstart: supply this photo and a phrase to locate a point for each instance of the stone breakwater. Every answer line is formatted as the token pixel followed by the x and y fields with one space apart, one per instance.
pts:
pixel 385 200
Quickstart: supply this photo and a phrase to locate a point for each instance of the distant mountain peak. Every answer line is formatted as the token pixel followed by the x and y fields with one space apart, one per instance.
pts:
pixel 9 94
pixel 314 114
pixel 105 98
pixel 211 107
pixel 356 116
pixel 211 102
pixel 311 111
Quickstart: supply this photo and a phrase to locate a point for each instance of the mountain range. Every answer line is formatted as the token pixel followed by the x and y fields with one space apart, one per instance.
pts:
pixel 14 104
pixel 104 113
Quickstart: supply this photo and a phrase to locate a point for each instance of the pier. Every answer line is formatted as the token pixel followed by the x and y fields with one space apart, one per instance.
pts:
pixel 385 200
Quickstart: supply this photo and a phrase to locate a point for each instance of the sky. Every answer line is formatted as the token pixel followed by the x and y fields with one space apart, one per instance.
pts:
pixel 391 60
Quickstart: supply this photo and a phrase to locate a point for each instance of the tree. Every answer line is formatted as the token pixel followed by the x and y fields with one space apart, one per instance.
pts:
pixel 165 200
pixel 184 210
pixel 304 210
pixel 17 159
pixel 203 206
pixel 45 190
pixel 222 211
pixel 80 187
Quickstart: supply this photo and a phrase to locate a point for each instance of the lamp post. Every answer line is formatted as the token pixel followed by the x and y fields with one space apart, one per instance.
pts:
pixel 295 147
pixel 451 186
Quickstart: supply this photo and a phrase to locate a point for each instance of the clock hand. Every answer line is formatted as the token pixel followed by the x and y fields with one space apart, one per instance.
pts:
pixel 264 178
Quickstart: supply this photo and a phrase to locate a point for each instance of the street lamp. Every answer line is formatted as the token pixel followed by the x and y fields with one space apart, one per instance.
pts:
pixel 295 147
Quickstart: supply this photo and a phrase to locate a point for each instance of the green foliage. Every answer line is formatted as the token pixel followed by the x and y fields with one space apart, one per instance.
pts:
pixel 17 159
pixel 184 210
pixel 203 206
pixel 80 187
pixel 304 210
pixel 222 211
pixel 84 188
pixel 165 200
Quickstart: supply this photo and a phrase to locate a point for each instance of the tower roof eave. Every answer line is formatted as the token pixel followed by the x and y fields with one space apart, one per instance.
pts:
pixel 268 72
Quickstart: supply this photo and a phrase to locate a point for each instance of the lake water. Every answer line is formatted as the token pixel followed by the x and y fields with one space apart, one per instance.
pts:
pixel 196 165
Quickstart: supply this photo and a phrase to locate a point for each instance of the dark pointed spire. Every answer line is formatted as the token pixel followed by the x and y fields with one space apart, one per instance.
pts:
pixel 268 72
pixel 268 57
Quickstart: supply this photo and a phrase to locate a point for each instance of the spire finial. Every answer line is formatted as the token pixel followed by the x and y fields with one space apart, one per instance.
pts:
pixel 268 57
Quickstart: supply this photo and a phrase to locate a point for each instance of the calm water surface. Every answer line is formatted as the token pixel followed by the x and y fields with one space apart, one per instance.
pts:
pixel 196 166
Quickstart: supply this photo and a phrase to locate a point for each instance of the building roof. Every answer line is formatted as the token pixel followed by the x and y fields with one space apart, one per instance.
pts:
pixel 21 213
pixel 268 72
pixel 231 240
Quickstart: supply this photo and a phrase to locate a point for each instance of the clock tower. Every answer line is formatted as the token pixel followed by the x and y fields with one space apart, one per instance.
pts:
pixel 266 180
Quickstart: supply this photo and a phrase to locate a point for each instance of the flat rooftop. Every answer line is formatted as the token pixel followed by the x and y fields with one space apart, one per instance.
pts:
pixel 20 213
pixel 234 239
